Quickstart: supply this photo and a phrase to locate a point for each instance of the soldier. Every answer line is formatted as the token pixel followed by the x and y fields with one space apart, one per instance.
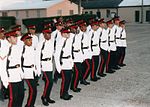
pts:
pixel 14 70
pixel 117 39
pixel 32 30
pixel 28 67
pixel 77 56
pixel 104 49
pixel 111 60
pixel 45 50
pixel 46 26
pixel 89 24
pixel 3 76
pixel 17 28
pixel 123 44
pixel 64 62
pixel 94 49
pixel 86 51
pixel 56 35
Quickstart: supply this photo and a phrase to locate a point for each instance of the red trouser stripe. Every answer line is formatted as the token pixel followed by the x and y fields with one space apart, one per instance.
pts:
pixel 30 93
pixel 108 59
pixel 62 83
pixel 10 96
pixel 93 67
pixel 47 84
pixel 121 59
pixel 88 68
pixel 76 77
pixel 101 64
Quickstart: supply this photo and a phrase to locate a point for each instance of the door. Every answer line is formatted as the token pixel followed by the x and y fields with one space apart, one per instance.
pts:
pixel 137 16
pixel 148 16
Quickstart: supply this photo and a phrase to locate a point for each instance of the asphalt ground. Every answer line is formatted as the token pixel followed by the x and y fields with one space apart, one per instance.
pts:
pixel 127 87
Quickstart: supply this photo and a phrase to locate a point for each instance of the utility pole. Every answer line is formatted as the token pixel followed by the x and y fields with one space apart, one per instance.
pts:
pixel 142 11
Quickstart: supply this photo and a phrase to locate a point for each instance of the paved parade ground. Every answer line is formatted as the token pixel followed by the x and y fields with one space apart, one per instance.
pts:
pixel 128 87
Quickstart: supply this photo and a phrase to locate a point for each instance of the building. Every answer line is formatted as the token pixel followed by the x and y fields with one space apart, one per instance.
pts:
pixel 135 10
pixel 22 9
pixel 132 11
pixel 102 8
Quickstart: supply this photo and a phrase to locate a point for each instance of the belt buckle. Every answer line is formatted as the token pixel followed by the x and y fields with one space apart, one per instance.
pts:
pixel 48 59
pixel 17 66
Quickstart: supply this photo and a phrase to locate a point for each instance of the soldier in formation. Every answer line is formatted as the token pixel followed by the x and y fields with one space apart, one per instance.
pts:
pixel 76 51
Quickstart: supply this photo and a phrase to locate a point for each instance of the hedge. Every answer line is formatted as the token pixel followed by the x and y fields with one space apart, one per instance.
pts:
pixel 8 21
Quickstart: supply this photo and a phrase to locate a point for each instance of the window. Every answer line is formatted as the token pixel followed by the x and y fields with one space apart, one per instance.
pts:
pixel 38 13
pixel 113 14
pixel 91 12
pixel 107 13
pixel 98 13
pixel 4 14
pixel 71 12
pixel 86 12
pixel 27 13
pixel 59 12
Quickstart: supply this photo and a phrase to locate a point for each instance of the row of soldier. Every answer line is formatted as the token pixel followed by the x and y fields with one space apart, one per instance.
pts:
pixel 75 51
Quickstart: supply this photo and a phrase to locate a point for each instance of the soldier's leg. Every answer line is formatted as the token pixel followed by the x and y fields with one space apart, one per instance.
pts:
pixel 66 80
pixel 102 63
pixel 88 69
pixel 95 63
pixel 20 96
pixel 123 51
pixel 32 92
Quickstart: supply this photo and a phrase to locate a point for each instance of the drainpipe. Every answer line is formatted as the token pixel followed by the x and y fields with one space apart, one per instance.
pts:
pixel 142 11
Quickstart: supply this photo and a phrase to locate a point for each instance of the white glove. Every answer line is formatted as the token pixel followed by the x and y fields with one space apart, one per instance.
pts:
pixel 5 83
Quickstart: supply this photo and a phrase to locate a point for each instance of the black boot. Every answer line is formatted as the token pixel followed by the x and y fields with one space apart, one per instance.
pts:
pixel 66 97
pixel 44 101
pixel 101 74
pixel 50 100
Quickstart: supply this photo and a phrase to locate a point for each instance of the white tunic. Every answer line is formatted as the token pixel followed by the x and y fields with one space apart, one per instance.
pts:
pixel 44 55
pixel 123 38
pixel 41 37
pixel 104 40
pixel 111 38
pixel 34 41
pixel 94 42
pixel 86 45
pixel 29 59
pixel 77 53
pixel 64 61
pixel 14 74
pixel 3 73
pixel 56 35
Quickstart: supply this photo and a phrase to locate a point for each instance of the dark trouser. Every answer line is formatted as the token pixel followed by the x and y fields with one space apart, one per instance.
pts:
pixel 87 68
pixel 120 54
pixel 32 92
pixel 48 84
pixel 108 66
pixel 16 94
pixel 113 59
pixel 77 75
pixel 123 52
pixel 95 63
pixel 66 80
pixel 104 55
